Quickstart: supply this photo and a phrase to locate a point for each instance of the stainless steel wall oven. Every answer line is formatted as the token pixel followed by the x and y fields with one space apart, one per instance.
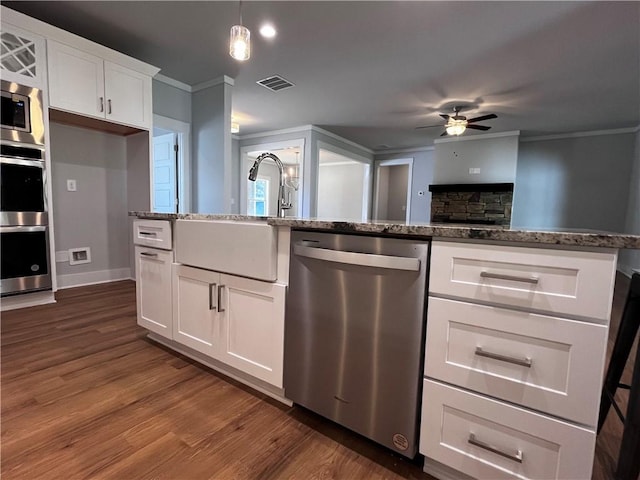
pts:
pixel 24 222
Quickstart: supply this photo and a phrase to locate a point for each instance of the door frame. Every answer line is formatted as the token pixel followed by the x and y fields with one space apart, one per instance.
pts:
pixel 183 132
pixel 390 163
pixel 245 166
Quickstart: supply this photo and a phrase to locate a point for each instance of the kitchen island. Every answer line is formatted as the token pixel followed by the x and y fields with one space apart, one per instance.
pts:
pixel 515 345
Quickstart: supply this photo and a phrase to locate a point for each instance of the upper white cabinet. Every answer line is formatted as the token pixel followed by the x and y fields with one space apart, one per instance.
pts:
pixel 86 84
pixel 23 57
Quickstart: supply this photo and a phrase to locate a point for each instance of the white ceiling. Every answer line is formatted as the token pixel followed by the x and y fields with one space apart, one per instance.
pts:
pixel 373 71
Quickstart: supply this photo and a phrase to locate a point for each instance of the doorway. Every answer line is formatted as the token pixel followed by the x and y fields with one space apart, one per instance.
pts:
pixel 343 186
pixel 393 190
pixel 170 172
pixel 260 198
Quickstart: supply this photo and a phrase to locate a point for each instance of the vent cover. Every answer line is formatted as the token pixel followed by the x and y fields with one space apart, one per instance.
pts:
pixel 275 83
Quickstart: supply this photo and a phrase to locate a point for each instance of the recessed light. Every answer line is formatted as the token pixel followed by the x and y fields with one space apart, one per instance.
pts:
pixel 267 31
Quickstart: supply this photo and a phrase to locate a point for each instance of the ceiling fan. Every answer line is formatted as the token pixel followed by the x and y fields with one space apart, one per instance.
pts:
pixel 457 124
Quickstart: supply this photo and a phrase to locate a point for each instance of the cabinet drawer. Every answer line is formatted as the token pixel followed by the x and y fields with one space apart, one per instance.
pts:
pixel 152 233
pixel 153 290
pixel 575 283
pixel 486 438
pixel 550 364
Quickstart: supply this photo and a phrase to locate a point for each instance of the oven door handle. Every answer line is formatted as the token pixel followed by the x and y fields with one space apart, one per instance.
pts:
pixel 22 161
pixel 29 229
pixel 361 259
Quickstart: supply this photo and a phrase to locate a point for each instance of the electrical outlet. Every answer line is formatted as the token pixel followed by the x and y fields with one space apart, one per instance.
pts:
pixel 71 185
pixel 474 171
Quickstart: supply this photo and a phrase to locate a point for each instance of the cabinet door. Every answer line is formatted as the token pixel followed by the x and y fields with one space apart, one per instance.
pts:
pixel 23 57
pixel 252 333
pixel 153 290
pixel 76 80
pixel 195 303
pixel 128 95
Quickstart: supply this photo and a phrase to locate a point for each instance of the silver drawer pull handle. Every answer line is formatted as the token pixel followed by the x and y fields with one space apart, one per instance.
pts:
pixel 220 288
pixel 109 104
pixel 499 276
pixel 149 234
pixel 517 457
pixel 102 104
pixel 212 287
pixel 148 254
pixel 525 362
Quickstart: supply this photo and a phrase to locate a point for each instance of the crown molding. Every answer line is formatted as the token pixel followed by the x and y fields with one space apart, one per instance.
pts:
pixel 212 83
pixel 342 139
pixel 593 133
pixel 486 136
pixel 426 148
pixel 302 128
pixel 172 82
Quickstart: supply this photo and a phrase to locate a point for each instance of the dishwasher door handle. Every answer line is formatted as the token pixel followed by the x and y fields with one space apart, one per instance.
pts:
pixel 362 259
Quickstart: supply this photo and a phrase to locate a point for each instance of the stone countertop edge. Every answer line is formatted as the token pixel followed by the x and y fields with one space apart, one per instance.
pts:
pixel 474 232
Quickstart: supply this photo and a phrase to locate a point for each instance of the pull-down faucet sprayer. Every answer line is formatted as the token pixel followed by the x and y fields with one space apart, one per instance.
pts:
pixel 283 203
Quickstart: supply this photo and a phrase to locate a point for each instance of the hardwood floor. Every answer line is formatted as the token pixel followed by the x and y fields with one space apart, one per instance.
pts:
pixel 86 395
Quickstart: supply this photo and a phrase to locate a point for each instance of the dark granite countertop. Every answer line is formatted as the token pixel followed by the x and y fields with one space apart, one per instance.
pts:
pixel 577 237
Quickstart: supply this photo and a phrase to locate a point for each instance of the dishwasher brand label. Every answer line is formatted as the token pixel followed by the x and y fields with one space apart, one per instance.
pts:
pixel 400 441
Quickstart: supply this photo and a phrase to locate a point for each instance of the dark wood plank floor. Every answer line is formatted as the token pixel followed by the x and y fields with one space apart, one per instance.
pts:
pixel 85 395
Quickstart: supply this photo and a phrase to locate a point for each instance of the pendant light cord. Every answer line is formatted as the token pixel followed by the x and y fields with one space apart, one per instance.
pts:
pixel 240 11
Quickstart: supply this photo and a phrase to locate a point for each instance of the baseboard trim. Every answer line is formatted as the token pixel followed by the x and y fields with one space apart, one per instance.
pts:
pixel 27 300
pixel 91 278
pixel 442 472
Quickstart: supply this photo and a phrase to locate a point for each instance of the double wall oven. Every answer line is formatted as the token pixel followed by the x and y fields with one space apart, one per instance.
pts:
pixel 24 220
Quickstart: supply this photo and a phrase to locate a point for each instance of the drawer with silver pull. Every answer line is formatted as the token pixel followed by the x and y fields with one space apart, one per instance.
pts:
pixel 152 233
pixel 538 361
pixel 486 438
pixel 562 282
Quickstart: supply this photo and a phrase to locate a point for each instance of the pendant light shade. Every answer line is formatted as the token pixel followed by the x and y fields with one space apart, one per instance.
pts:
pixel 240 45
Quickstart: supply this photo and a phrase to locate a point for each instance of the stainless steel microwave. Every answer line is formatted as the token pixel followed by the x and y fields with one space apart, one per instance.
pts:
pixel 22 117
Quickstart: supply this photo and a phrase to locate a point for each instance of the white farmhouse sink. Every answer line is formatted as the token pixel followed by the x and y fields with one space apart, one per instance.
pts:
pixel 248 249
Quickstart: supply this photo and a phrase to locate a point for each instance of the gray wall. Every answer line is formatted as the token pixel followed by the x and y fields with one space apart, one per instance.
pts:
pixel 496 158
pixel 580 182
pixel 95 215
pixel 422 177
pixel 340 191
pixel 171 102
pixel 630 259
pixel 211 141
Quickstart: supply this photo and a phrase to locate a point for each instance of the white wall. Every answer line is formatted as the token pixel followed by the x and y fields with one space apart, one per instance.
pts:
pixel 578 182
pixel 171 102
pixel 340 191
pixel 94 216
pixel 630 259
pixel 496 157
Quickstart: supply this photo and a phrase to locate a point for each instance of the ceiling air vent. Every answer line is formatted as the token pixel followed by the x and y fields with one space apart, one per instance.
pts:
pixel 275 83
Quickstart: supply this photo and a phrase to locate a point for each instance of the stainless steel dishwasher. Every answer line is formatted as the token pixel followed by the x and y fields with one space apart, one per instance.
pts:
pixel 354 332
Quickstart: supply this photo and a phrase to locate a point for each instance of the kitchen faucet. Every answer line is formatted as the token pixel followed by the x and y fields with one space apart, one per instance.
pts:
pixel 283 203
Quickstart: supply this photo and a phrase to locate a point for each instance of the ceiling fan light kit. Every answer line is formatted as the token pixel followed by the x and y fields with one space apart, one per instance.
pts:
pixel 458 124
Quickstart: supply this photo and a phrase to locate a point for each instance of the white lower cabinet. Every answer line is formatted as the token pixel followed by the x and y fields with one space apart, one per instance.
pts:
pixel 252 327
pixel 489 439
pixel 153 290
pixel 196 322
pixel 235 320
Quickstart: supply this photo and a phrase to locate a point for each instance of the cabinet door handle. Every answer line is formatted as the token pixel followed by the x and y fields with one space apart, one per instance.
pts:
pixel 102 104
pixel 220 288
pixel 212 287
pixel 517 457
pixel 149 254
pixel 524 362
pixel 499 276
pixel 109 105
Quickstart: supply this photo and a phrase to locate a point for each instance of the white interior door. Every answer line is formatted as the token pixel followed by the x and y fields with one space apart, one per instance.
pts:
pixel 164 174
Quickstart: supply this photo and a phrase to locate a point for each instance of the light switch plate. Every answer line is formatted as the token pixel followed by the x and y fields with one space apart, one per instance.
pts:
pixel 474 171
pixel 71 185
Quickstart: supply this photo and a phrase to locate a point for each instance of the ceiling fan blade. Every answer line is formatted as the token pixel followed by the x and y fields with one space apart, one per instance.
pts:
pixel 445 116
pixel 478 127
pixel 484 117
pixel 444 134
pixel 428 126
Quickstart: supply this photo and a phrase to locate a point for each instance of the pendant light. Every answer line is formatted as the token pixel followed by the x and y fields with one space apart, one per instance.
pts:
pixel 239 44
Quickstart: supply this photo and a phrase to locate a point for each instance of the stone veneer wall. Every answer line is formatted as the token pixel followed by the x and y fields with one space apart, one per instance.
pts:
pixel 480 207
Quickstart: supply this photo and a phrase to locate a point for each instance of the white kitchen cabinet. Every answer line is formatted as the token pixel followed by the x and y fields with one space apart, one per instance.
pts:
pixel 86 84
pixel 252 327
pixel 196 321
pixel 153 290
pixel 23 57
